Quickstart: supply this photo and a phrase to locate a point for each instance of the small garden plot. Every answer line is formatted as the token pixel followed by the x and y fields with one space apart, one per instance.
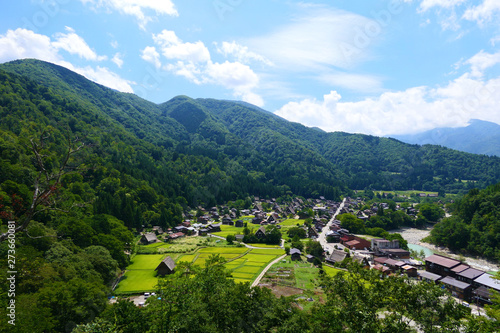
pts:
pixel 331 271
pixel 242 280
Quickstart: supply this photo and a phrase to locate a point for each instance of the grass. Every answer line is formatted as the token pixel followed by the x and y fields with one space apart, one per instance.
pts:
pixel 137 281
pixel 331 271
pixel 291 222
pixel 146 261
pixel 229 230
pixel 269 246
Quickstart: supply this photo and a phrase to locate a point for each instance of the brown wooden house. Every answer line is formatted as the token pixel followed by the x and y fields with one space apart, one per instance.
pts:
pixel 166 266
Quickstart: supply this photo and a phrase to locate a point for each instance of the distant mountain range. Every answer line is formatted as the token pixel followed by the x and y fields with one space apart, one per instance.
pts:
pixel 479 137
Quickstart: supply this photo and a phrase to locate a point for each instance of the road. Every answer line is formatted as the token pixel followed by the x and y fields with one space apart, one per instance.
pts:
pixel 322 235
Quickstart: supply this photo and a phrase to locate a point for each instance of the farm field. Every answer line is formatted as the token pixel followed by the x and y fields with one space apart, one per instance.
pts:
pixel 245 264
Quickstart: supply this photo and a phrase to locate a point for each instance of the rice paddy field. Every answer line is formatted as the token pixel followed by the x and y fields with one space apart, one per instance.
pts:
pixel 244 264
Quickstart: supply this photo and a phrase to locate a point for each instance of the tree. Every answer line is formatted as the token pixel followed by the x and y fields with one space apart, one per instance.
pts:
pixel 230 239
pixel 48 180
pixel 314 248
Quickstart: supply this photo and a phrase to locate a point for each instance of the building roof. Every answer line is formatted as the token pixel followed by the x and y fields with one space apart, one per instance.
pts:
pixel 429 275
pixel 169 262
pixel 455 283
pixel 489 281
pixel 295 251
pixel 391 262
pixel 471 273
pixel 442 261
pixel 460 268
pixel 353 243
pixel 380 260
pixel 408 267
pixel 381 268
pixel 150 237
pixel 337 256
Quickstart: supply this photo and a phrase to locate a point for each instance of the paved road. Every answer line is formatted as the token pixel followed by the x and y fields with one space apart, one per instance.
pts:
pixel 261 275
pixel 322 235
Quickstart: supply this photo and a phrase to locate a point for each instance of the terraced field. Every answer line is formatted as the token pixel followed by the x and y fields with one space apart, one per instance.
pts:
pixel 245 265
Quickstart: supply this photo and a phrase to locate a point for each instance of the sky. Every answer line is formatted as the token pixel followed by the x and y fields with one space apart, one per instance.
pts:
pixel 376 67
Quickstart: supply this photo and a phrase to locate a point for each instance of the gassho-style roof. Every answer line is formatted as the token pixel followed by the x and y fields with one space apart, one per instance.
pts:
pixel 169 262
pixel 442 261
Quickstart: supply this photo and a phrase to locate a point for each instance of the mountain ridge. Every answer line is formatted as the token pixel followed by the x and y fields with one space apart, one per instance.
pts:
pixel 478 137
pixel 261 147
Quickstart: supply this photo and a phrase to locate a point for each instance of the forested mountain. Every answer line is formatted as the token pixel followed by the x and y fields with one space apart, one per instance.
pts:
pixel 479 137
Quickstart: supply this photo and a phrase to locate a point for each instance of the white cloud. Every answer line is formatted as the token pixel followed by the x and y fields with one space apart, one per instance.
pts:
pixel 320 37
pixel 136 8
pixel 150 55
pixel 118 59
pixel 351 81
pixel 413 110
pixel 22 43
pixel 75 44
pixel 173 48
pixel 482 61
pixel 193 62
pixel 241 53
pixel 428 4
pixel 484 12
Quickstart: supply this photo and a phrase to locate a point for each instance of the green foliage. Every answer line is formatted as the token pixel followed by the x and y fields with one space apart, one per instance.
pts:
pixel 297 231
pixel 474 225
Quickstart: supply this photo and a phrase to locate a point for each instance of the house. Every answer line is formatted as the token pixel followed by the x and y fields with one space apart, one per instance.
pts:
pixel 383 269
pixel 177 235
pixel 488 281
pixel 379 245
pixel 409 270
pixel 310 258
pixel 397 253
pixel 440 265
pixel 261 233
pixel 148 239
pixel 226 220
pixel 429 277
pixel 203 232
pixel 362 260
pixel 469 275
pixel 214 227
pixel 295 254
pixel 312 233
pixel 239 224
pixel 457 288
pixel 357 243
pixel 166 266
pixel 157 230
pixel 203 219
pixel 482 295
pixel 337 256
pixel 180 228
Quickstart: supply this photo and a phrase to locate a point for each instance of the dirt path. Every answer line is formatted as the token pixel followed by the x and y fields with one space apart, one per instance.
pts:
pixel 261 275
pixel 415 236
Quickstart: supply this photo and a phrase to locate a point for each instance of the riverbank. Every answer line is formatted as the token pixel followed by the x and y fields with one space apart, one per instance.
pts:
pixel 415 236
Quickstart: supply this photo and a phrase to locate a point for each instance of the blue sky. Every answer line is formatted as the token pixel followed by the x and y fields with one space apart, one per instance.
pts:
pixel 376 67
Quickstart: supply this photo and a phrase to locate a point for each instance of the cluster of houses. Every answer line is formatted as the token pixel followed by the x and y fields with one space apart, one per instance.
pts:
pixel 461 280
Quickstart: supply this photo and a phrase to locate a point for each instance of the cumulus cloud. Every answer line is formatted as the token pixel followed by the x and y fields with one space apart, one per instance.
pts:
pixel 136 8
pixel 22 43
pixel 152 56
pixel 241 53
pixel 74 44
pixel 483 12
pixel 118 59
pixel 192 60
pixel 413 110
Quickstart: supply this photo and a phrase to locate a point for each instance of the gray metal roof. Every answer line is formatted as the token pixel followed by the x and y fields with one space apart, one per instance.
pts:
pixel 455 283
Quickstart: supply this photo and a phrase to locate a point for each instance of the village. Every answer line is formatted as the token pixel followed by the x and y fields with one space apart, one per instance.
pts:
pixel 318 219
